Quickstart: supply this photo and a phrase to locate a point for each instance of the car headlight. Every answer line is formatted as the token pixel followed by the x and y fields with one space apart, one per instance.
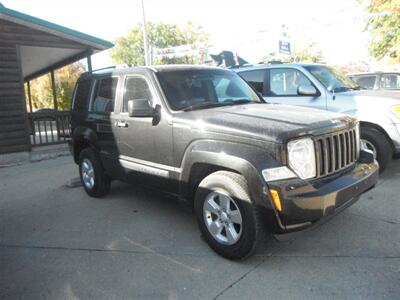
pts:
pixel 396 110
pixel 301 156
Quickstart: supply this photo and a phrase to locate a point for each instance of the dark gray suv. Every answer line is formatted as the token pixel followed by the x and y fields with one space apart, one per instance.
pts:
pixel 206 136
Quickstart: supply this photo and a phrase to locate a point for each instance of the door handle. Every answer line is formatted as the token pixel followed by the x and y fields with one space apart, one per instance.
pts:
pixel 121 124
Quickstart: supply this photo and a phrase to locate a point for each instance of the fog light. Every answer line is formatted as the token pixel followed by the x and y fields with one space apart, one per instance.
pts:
pixel 275 199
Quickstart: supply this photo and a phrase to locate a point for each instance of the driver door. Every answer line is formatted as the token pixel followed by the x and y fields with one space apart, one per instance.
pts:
pixel 282 87
pixel 144 145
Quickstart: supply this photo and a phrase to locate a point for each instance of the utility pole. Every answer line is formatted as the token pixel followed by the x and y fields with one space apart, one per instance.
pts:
pixel 146 48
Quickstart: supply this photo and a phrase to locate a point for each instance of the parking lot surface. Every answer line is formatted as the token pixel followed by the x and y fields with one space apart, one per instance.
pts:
pixel 58 243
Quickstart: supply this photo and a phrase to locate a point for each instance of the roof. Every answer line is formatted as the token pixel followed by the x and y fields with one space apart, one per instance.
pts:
pixel 53 28
pixel 275 65
pixel 126 70
pixel 372 73
pixel 167 68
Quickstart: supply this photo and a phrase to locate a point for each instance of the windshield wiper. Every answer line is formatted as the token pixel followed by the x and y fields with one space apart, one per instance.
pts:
pixel 238 101
pixel 218 104
pixel 203 105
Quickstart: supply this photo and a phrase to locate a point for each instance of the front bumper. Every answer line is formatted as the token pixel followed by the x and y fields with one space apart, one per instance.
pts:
pixel 304 204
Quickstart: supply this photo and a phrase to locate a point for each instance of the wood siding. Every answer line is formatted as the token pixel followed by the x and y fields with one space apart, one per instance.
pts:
pixel 13 123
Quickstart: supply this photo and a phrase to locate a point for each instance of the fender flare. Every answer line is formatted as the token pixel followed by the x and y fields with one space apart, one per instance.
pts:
pixel 245 159
pixel 83 135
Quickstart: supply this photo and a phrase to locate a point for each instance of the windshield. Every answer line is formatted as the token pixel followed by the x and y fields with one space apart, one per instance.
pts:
pixel 332 79
pixel 198 89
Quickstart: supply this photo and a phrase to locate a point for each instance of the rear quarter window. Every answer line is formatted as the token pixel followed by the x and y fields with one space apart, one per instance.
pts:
pixel 255 78
pixel 104 95
pixel 82 95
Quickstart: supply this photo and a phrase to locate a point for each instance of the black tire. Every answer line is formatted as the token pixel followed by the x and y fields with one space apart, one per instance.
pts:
pixel 252 230
pixel 383 148
pixel 101 184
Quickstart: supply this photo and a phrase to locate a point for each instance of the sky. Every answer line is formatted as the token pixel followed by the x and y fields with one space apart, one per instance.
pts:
pixel 250 27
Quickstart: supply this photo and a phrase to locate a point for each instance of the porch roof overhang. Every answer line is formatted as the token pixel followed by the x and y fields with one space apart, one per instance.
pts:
pixel 44 45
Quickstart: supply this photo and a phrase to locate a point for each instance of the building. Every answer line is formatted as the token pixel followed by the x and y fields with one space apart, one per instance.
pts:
pixel 29 48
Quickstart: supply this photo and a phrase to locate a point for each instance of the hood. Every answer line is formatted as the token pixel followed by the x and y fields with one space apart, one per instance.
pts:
pixel 392 97
pixel 271 122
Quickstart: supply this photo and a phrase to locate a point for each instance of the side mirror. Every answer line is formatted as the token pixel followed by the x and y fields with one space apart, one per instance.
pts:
pixel 307 90
pixel 140 108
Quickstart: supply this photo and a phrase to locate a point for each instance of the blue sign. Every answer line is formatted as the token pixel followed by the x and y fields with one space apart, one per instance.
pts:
pixel 284 47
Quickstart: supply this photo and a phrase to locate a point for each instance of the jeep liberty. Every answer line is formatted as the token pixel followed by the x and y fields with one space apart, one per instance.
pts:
pixel 205 135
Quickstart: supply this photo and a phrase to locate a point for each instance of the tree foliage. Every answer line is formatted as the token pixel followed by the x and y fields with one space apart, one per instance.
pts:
pixel 129 49
pixel 65 79
pixel 384 27
pixel 310 54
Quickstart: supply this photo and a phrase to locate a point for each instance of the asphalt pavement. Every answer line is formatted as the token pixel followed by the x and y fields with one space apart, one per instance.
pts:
pixel 58 243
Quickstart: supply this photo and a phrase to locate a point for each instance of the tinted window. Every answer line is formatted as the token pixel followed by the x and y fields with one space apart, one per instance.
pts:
pixel 189 88
pixel 255 79
pixel 104 97
pixel 284 82
pixel 390 81
pixel 367 82
pixel 135 88
pixel 82 94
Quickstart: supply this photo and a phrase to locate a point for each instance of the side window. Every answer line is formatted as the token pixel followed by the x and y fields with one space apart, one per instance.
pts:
pixel 104 97
pixel 255 79
pixel 367 82
pixel 390 81
pixel 284 82
pixel 82 94
pixel 135 88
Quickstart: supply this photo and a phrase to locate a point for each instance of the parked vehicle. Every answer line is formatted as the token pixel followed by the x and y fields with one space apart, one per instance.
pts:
pixel 205 135
pixel 322 87
pixel 377 80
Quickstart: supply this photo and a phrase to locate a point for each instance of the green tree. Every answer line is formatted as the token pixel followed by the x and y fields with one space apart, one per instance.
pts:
pixel 129 49
pixel 311 54
pixel 65 78
pixel 384 28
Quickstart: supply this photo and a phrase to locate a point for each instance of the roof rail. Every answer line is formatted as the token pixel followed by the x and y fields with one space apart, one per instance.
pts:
pixel 121 66
pixel 102 69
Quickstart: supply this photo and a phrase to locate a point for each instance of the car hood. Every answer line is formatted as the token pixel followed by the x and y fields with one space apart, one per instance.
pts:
pixel 389 97
pixel 271 122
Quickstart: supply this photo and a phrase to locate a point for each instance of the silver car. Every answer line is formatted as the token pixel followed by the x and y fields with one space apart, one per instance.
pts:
pixel 322 87
pixel 377 80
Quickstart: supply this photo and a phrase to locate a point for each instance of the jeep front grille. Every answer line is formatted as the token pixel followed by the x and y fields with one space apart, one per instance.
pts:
pixel 336 151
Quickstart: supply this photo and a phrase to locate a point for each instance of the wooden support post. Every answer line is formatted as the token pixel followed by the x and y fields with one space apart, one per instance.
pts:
pixel 28 83
pixel 89 62
pixel 53 87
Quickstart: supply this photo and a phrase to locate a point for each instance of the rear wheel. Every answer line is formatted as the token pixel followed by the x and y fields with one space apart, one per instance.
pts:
pixel 227 218
pixel 93 178
pixel 377 142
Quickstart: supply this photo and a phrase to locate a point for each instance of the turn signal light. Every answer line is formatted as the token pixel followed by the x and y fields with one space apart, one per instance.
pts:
pixel 275 199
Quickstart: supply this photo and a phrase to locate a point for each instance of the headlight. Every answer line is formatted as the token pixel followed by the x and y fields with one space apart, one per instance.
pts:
pixel 301 156
pixel 396 110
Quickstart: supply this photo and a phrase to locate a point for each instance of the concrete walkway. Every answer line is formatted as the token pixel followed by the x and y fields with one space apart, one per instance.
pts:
pixel 58 243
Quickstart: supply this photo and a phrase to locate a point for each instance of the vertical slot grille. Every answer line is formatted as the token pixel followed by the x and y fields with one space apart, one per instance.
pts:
pixel 335 152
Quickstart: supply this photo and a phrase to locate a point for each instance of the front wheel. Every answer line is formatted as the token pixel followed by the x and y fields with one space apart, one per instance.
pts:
pixel 374 140
pixel 227 218
pixel 93 178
